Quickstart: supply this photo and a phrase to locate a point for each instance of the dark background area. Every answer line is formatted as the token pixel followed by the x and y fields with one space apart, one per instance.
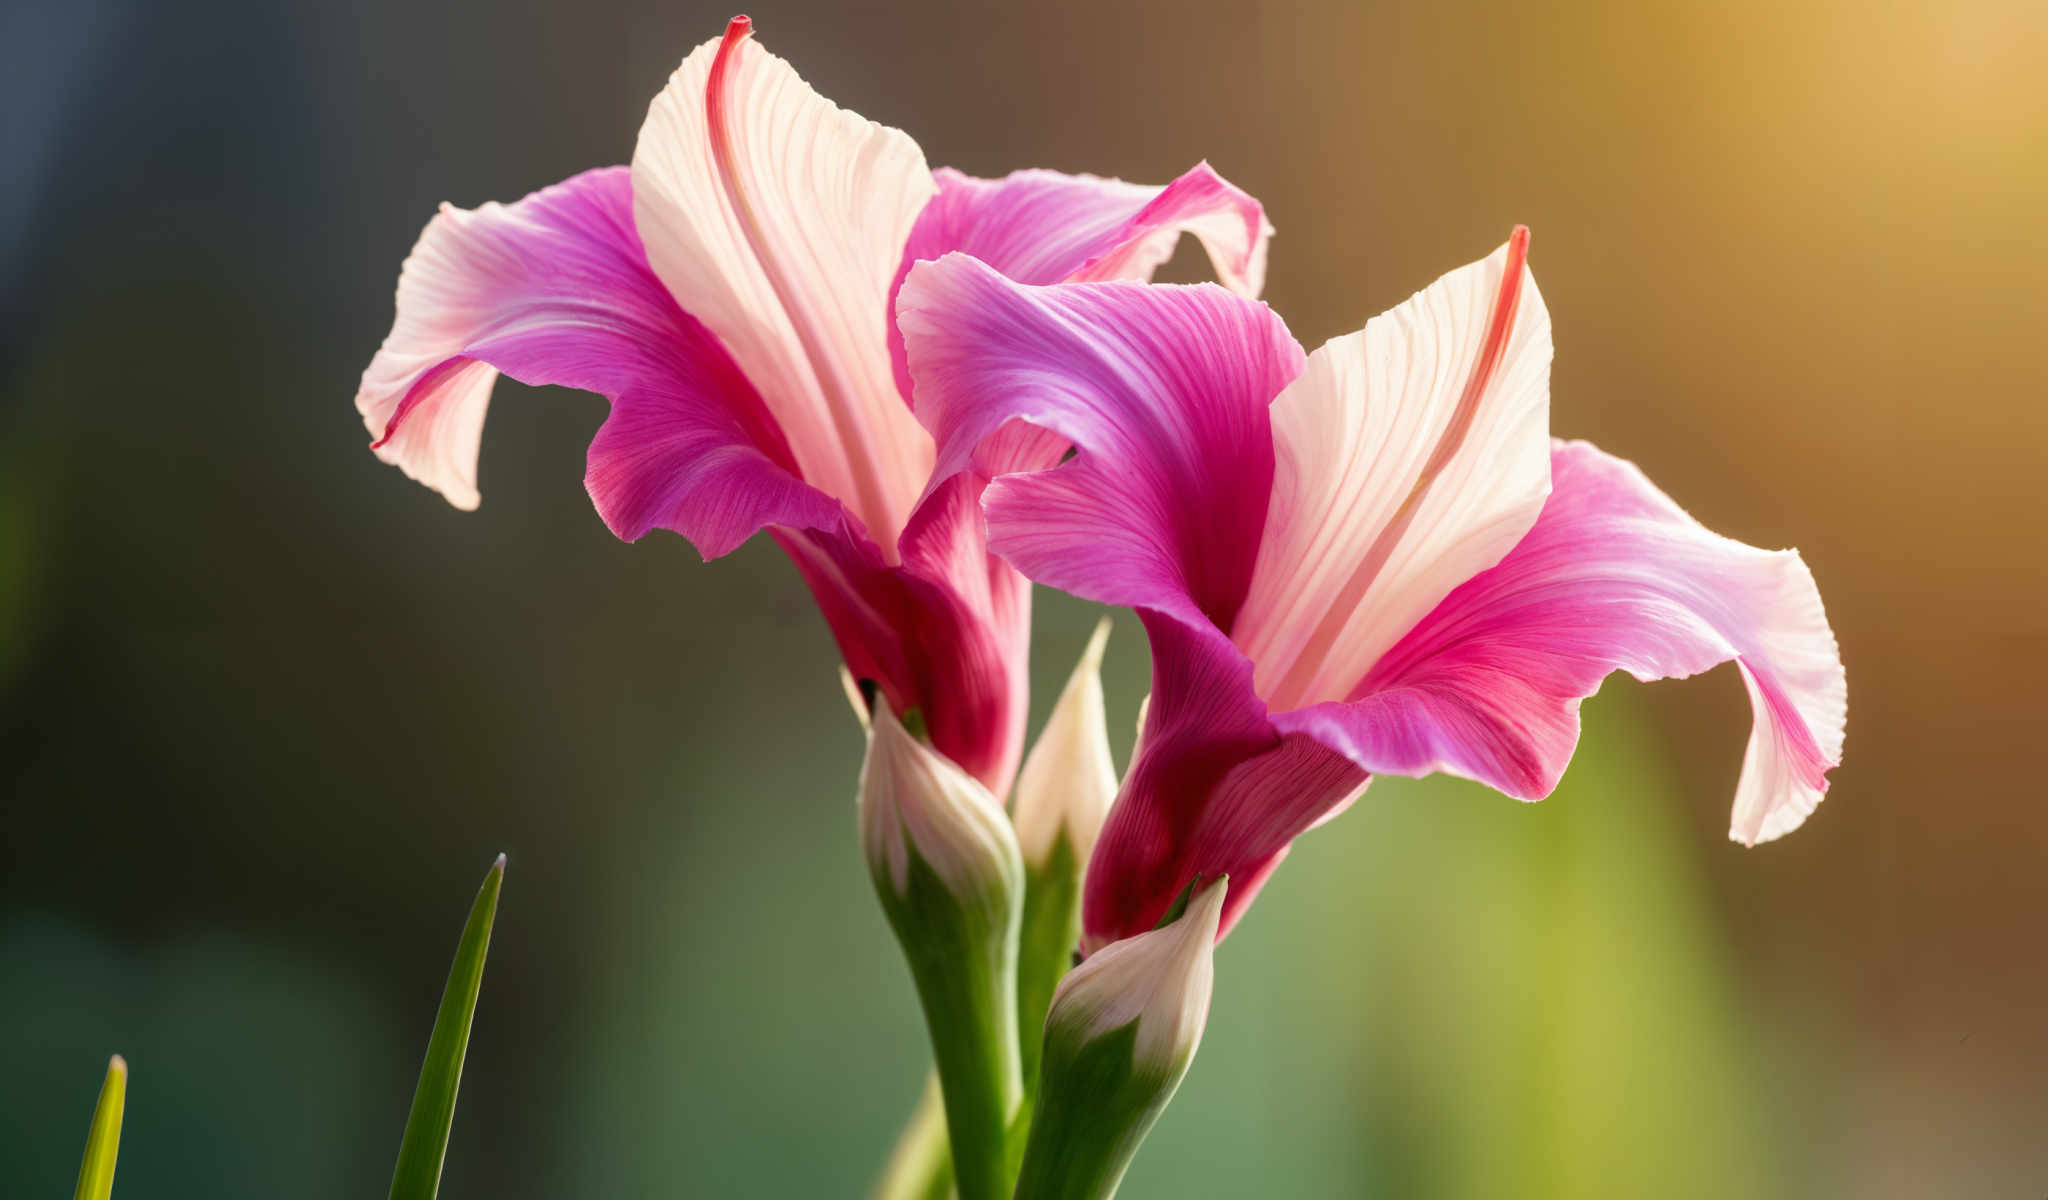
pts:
pixel 268 709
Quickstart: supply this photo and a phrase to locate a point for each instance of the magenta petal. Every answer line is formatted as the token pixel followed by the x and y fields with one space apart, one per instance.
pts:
pixel 1213 789
pixel 1614 576
pixel 555 289
pixel 964 615
pixel 945 632
pixel 1162 393
pixel 1044 227
pixel 665 458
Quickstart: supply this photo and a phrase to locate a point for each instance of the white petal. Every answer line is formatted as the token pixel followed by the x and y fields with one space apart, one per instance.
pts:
pixel 1161 979
pixel 778 219
pixel 1410 456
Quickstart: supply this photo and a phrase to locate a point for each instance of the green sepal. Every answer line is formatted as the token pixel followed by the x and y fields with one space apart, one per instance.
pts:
pixel 1093 1110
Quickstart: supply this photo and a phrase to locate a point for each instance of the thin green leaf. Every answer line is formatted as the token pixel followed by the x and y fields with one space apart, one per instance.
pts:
pixel 418 1175
pixel 103 1142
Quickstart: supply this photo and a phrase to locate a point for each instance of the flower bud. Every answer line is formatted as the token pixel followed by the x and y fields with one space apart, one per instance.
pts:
pixel 1068 778
pixel 915 802
pixel 1123 1029
pixel 1063 794
pixel 946 868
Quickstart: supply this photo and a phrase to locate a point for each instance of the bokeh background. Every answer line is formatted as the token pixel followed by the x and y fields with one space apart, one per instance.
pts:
pixel 267 709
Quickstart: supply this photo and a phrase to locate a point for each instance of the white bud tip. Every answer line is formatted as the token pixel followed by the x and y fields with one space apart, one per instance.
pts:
pixel 1161 979
pixel 914 798
pixel 1069 778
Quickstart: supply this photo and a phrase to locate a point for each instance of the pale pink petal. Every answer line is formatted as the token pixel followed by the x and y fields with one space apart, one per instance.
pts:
pixel 555 289
pixel 1231 226
pixel 1039 226
pixel 1614 576
pixel 778 219
pixel 1411 455
pixel 1162 393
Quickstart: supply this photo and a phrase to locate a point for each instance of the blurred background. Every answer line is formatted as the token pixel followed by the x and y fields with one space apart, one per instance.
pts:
pixel 268 709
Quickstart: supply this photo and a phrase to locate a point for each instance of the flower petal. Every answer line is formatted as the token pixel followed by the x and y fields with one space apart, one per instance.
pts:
pixel 1042 227
pixel 778 219
pixel 1162 393
pixel 1411 455
pixel 1231 226
pixel 945 632
pixel 554 289
pixel 1213 788
pixel 665 459
pixel 1614 576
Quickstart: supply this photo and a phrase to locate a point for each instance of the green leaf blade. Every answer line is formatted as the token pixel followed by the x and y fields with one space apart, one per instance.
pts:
pixel 103 1141
pixel 418 1173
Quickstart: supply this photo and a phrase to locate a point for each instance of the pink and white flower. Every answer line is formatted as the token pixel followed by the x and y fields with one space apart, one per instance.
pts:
pixel 730 294
pixel 1372 559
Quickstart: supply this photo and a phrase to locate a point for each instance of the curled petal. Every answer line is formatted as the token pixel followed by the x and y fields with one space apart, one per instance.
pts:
pixel 1160 391
pixel 664 459
pixel 778 219
pixel 1614 576
pixel 1411 455
pixel 554 289
pixel 1042 227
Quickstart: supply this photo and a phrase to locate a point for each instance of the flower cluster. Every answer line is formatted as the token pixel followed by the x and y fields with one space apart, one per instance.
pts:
pixel 931 390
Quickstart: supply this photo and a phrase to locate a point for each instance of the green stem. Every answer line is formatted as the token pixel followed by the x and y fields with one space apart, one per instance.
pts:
pixel 963 958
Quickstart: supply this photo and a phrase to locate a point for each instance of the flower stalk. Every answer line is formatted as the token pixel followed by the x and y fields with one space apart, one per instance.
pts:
pixel 946 868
